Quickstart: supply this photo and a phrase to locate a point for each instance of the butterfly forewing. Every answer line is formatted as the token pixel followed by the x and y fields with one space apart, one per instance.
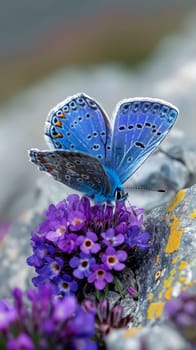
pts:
pixel 140 126
pixel 79 124
pixel 74 169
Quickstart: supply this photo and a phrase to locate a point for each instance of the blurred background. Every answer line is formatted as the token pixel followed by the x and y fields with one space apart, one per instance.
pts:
pixel 109 49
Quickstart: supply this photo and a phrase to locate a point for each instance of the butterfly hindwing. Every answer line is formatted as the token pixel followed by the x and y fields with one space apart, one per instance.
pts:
pixel 74 169
pixel 140 126
pixel 79 124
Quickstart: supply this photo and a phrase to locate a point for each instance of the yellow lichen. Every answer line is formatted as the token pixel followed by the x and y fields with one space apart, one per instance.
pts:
pixel 174 238
pixel 168 293
pixel 150 296
pixel 168 282
pixel 183 265
pixel 173 272
pixel 155 310
pixel 131 332
pixel 193 214
pixel 178 198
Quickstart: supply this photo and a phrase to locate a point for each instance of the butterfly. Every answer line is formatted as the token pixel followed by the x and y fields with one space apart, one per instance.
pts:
pixel 90 156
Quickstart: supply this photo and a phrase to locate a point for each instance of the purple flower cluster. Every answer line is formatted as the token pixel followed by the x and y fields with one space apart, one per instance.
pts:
pixel 45 322
pixel 182 312
pixel 79 244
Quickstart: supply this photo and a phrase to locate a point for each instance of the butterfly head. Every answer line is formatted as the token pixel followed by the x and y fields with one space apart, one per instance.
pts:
pixel 120 195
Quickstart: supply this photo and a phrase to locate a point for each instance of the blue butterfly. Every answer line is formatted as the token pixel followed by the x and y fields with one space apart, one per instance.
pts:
pixel 89 156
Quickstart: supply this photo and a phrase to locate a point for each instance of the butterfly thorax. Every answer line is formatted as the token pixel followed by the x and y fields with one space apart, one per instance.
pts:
pixel 116 191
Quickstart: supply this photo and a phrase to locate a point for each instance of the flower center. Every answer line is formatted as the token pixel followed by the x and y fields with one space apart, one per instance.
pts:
pixel 84 263
pixel 77 221
pixel 88 243
pixel 56 266
pixel 61 229
pixel 65 285
pixel 100 273
pixel 111 259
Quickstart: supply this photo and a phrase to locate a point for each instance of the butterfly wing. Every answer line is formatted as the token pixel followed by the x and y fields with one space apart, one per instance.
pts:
pixel 140 126
pixel 74 169
pixel 79 124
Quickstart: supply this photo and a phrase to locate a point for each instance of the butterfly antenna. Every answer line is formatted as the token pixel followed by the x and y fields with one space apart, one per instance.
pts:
pixel 138 188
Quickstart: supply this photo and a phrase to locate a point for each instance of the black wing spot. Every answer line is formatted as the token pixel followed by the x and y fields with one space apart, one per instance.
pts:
pixel 70 165
pixel 75 122
pixel 68 177
pixel 84 176
pixel 108 148
pixel 125 107
pixel 129 159
pixel 158 133
pixel 87 115
pixel 154 126
pixel 146 106
pixel 156 107
pixel 139 126
pixel 99 156
pixel 122 127
pixel 96 146
pixel 78 161
pixel 95 133
pixel 92 104
pixel 68 133
pixel 154 131
pixel 130 127
pixel 79 179
pixel 72 125
pixel 136 106
pixel 72 146
pixel 55 120
pixel 148 124
pixel 89 137
pixel 80 119
pixel 65 109
pixel 103 133
pixel 164 111
pixel 58 145
pixel 73 105
pixel 81 101
pixel 59 113
pixel 139 144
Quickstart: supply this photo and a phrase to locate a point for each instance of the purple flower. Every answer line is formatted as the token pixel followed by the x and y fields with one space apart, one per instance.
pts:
pixel 181 311
pixel 76 235
pixel 66 285
pixel 135 237
pixel 76 220
pixel 51 269
pixel 81 265
pixel 68 243
pixel 7 315
pixel 111 239
pixel 100 276
pixel 112 258
pixel 49 322
pixel 22 342
pixel 88 243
